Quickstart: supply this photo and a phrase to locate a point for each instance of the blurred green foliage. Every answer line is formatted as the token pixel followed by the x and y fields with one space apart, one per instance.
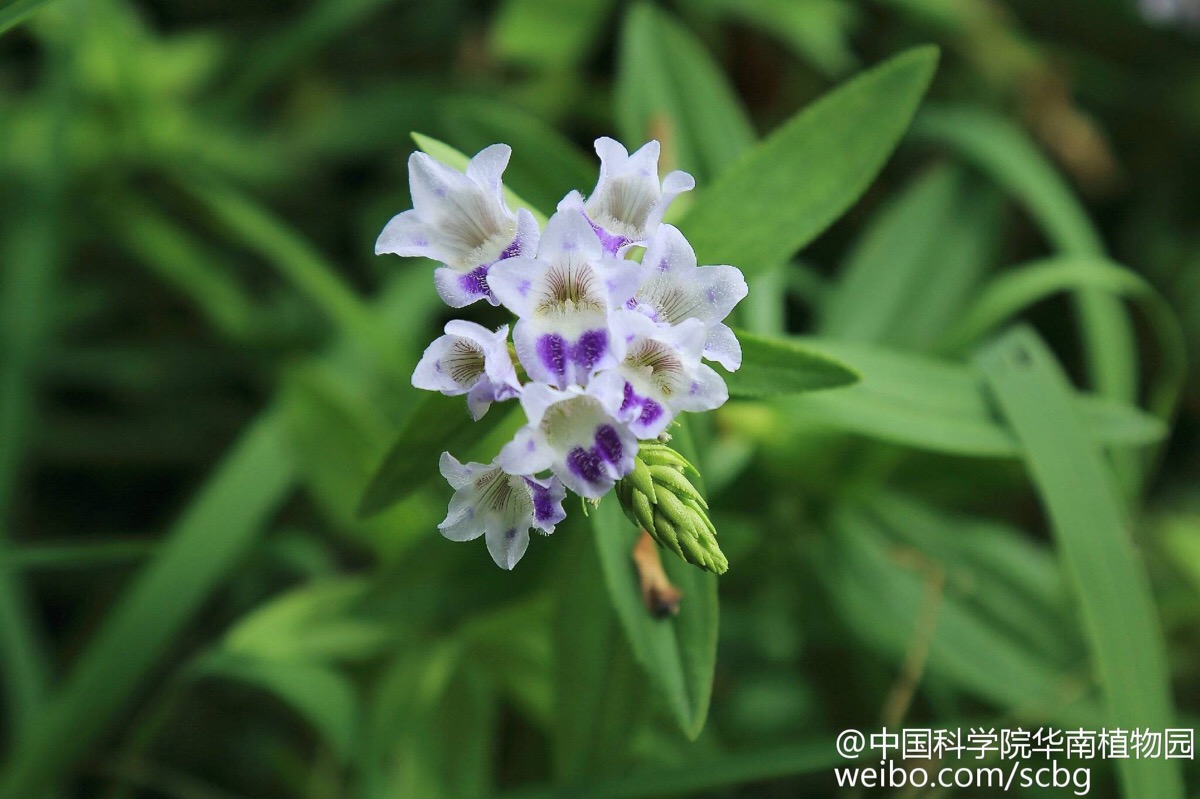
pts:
pixel 202 369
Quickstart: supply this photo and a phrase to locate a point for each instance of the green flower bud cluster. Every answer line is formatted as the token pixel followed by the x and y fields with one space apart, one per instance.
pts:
pixel 660 497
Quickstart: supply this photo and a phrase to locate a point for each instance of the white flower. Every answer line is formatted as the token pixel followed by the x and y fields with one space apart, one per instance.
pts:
pixel 462 221
pixel 663 374
pixel 576 434
pixel 628 202
pixel 563 298
pixel 499 506
pixel 471 360
pixel 674 289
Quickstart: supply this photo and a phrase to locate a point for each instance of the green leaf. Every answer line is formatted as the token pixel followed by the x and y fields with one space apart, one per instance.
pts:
pixel 940 405
pixel 169 251
pixel 313 623
pixel 451 157
pixel 438 424
pixel 297 261
pixel 700 776
pixel 792 186
pixel 885 602
pixel 1021 287
pixel 600 694
pixel 17 11
pixel 339 437
pixel 549 34
pixel 916 264
pixel 1094 536
pixel 1006 153
pixel 678 654
pixel 325 699
pixel 432 727
pixel 669 88
pixel 213 534
pixel 278 54
pixel 817 31
pixel 772 366
pixel 1008 577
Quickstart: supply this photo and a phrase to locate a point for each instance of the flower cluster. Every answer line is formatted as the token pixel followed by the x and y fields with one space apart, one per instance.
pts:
pixel 609 348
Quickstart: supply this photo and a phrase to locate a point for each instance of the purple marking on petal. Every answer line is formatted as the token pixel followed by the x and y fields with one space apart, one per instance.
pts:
pixel 711 293
pixel 523 287
pixel 437 367
pixel 630 399
pixel 631 303
pixel 651 411
pixel 590 348
pixel 543 505
pixel 585 463
pixel 608 443
pixel 421 242
pixel 475 282
pixel 510 534
pixel 552 350
pixel 663 265
pixel 694 389
pixel 513 249
pixel 610 241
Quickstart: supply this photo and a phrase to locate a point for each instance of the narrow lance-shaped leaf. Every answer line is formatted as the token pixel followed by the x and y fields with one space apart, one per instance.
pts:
pixel 1092 530
pixel 1001 149
pixel 678 654
pixel 217 529
pixel 670 88
pixel 438 424
pixel 783 193
pixel 941 405
pixel 772 366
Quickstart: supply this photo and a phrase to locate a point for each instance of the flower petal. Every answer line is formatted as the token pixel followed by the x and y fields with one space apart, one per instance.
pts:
pixel 706 392
pixel 507 546
pixel 722 346
pixel 513 281
pixel 722 287
pixel 455 473
pixel 527 453
pixel 488 165
pixel 460 289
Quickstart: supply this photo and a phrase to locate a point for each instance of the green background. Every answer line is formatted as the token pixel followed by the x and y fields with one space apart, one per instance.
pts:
pixel 202 366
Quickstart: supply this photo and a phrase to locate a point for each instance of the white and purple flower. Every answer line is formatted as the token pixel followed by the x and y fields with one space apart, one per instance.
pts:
pixel 663 374
pixel 575 433
pixel 461 220
pixel 469 359
pixel 499 506
pixel 675 289
pixel 628 202
pixel 608 350
pixel 563 299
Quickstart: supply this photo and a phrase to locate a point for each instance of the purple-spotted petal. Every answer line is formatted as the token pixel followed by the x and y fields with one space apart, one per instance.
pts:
pixel 705 391
pixel 578 432
pixel 721 288
pixel 469 359
pixel 527 453
pixel 515 282
pixel 460 289
pixel 458 219
pixel 501 507
pixel 722 346
pixel 629 201
pixel 507 545
pixel 548 496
